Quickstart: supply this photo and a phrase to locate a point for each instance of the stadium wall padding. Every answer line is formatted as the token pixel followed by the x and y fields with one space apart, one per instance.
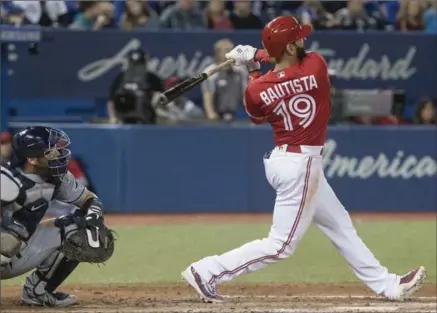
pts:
pixel 195 169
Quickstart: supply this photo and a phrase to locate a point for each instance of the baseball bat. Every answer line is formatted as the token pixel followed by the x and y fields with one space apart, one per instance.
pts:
pixel 188 84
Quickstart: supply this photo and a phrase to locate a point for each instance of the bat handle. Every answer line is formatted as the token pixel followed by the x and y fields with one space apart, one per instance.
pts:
pixel 220 67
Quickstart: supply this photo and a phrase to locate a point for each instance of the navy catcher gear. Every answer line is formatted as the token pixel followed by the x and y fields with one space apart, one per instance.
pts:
pixel 47 142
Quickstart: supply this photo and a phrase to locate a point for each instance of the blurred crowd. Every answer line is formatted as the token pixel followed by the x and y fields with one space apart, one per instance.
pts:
pixel 404 15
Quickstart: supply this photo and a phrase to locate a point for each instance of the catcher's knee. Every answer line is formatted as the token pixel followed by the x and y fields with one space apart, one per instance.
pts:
pixel 10 245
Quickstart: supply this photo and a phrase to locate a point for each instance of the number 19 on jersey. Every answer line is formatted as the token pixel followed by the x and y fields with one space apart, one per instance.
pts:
pixel 302 106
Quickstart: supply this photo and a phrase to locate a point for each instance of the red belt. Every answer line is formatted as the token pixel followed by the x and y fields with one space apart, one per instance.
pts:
pixel 297 149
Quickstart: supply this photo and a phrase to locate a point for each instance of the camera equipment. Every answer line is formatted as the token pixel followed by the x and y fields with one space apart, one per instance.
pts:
pixel 347 103
pixel 133 100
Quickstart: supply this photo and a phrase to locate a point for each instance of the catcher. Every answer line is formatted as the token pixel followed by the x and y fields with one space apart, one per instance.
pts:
pixel 53 248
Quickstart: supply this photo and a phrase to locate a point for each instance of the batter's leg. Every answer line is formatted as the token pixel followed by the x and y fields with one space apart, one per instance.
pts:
pixel 334 221
pixel 295 179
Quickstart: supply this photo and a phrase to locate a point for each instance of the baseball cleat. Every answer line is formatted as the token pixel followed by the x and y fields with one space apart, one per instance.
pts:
pixel 408 284
pixel 207 292
pixel 47 299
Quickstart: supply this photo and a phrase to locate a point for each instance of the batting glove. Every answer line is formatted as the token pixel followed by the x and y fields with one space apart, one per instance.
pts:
pixel 241 54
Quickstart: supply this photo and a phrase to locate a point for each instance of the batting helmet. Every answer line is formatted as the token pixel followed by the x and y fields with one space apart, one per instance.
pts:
pixel 47 142
pixel 280 32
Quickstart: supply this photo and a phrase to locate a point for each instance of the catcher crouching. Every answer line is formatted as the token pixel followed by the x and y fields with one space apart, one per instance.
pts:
pixel 37 178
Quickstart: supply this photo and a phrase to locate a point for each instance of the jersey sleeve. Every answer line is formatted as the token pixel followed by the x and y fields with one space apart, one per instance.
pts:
pixel 253 109
pixel 262 56
pixel 70 190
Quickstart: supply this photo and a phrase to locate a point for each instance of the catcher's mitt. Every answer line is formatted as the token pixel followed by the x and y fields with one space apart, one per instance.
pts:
pixel 92 242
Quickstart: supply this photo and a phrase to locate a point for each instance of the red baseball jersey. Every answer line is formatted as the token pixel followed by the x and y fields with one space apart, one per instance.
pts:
pixel 295 101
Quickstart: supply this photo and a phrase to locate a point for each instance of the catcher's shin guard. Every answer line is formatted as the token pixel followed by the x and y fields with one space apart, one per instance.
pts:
pixel 64 269
pixel 54 270
pixel 40 286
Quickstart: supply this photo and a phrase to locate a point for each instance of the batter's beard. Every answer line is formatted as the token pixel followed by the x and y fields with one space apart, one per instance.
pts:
pixel 301 54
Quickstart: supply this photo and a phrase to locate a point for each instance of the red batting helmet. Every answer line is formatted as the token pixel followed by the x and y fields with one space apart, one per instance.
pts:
pixel 281 31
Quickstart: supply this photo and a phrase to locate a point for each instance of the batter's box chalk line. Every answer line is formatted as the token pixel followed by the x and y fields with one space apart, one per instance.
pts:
pixel 339 297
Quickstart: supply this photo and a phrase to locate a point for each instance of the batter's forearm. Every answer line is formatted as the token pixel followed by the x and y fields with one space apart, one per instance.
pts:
pixel 262 56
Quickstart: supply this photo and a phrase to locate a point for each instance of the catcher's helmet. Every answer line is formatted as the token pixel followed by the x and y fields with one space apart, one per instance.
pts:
pixel 47 142
pixel 280 32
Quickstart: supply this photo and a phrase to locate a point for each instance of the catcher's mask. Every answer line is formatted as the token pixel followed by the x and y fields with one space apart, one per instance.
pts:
pixel 49 145
pixel 57 154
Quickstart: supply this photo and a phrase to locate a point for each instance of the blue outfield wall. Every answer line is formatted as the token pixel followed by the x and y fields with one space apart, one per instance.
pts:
pixel 220 168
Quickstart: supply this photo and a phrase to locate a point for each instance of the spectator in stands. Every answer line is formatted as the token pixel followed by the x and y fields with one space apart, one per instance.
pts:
pixel 95 15
pixel 354 16
pixel 268 10
pixel 5 147
pixel 313 13
pixel 73 8
pixel 410 16
pixel 45 13
pixel 223 92
pixel 217 16
pixel 389 120
pixel 389 9
pixel 333 6
pixel 139 14
pixel 242 16
pixel 183 15
pixel 425 112
pixel 12 14
pixel 430 18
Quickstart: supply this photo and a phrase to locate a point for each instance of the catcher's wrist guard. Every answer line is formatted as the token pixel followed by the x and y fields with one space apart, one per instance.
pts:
pixel 91 242
pixel 94 206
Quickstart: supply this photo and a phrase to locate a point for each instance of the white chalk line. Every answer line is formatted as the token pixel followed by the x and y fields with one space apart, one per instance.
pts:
pixel 339 297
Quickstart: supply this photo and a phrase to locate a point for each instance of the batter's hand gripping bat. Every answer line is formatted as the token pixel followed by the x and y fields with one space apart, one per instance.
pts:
pixel 188 84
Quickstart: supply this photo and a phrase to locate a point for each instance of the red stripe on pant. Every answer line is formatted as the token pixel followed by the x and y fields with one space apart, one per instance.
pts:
pixel 286 243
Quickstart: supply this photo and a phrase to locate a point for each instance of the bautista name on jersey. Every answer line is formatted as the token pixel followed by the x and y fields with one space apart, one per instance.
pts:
pixel 288 88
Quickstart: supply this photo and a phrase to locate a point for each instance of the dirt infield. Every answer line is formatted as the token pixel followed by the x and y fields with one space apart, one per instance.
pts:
pixel 243 298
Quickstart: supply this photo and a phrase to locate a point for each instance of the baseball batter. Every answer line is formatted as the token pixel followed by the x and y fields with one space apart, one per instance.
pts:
pixel 38 178
pixel 294 98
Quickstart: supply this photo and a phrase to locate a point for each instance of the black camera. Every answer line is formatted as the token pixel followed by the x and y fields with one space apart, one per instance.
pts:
pixel 133 99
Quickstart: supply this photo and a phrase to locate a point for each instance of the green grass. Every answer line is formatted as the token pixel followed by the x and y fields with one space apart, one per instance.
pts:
pixel 153 254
